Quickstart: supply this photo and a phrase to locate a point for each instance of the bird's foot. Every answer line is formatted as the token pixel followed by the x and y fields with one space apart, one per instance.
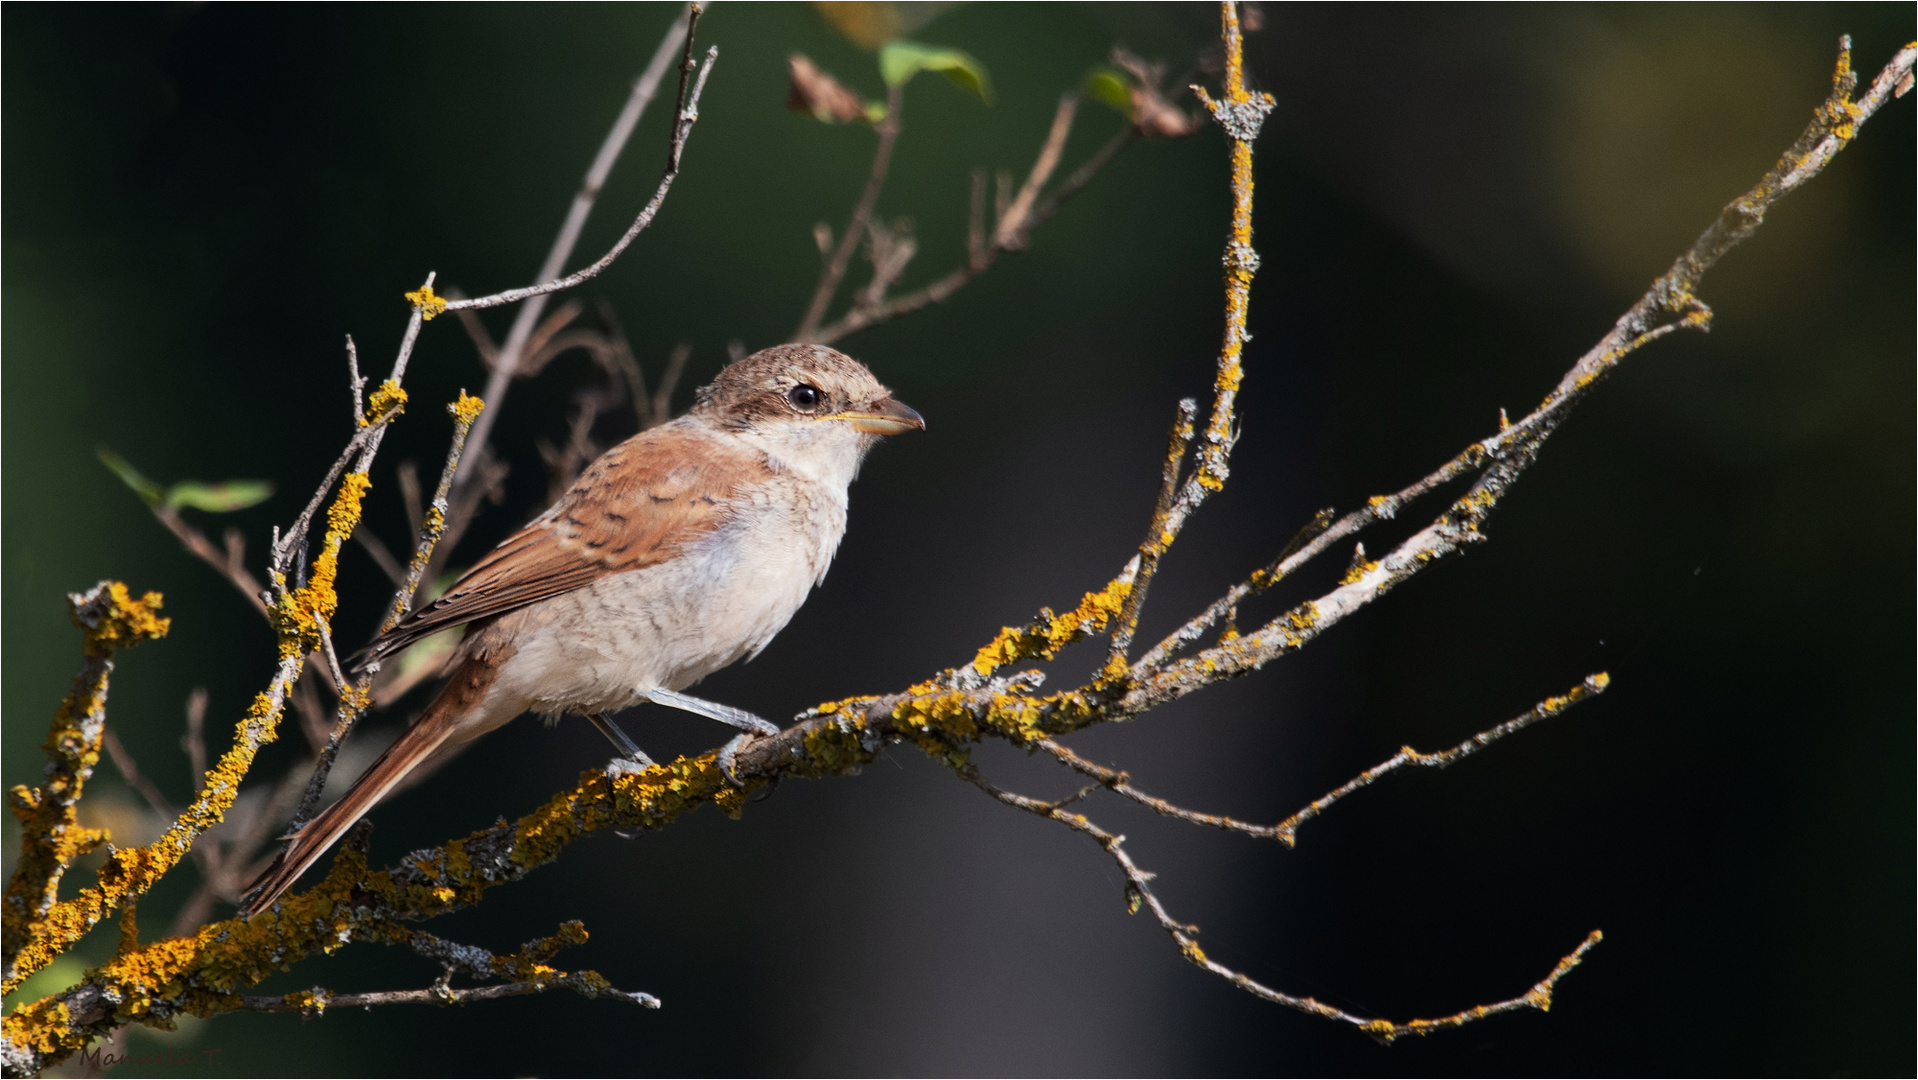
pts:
pixel 628 766
pixel 729 752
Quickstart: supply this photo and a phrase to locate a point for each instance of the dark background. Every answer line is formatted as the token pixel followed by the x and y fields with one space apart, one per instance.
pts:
pixel 1453 204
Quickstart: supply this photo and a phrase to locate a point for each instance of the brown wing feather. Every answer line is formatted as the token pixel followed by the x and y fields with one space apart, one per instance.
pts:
pixel 635 506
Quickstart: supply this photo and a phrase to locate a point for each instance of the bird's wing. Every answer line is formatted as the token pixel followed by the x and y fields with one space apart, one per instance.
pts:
pixel 636 506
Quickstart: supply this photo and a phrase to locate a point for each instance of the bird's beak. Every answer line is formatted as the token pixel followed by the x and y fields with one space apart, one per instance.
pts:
pixel 885 417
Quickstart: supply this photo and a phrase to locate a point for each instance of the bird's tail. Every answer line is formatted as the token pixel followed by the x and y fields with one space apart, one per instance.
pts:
pixel 440 722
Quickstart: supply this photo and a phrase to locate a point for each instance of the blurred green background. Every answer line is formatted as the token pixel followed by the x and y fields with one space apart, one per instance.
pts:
pixel 1454 202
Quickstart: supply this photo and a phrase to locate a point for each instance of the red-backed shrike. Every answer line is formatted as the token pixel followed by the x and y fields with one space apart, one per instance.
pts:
pixel 678 552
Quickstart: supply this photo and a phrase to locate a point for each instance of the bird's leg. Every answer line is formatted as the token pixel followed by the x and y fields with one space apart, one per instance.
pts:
pixel 631 759
pixel 752 726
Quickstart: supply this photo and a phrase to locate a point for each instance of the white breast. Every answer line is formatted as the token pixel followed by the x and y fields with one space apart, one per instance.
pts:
pixel 720 599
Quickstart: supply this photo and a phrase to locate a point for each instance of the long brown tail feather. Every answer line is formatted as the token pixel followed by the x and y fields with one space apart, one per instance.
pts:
pixel 435 727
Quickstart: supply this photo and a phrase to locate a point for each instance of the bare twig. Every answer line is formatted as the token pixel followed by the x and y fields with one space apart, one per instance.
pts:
pixel 409 479
pixel 662 404
pixel 1287 831
pixel 1011 230
pixel 355 381
pixel 1017 217
pixel 677 39
pixel 194 741
pixel 1119 783
pixel 316 1001
pixel 229 564
pixel 383 558
pixel 306 700
pixel 1139 893
pixel 1159 536
pixel 944 714
pixel 834 271
pixel 135 779
pixel 287 543
pixel 485 485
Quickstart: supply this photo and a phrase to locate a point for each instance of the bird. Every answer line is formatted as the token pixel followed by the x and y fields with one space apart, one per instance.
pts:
pixel 676 553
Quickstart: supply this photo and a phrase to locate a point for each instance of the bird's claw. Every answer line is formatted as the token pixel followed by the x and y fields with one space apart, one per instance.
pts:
pixel 627 766
pixel 727 753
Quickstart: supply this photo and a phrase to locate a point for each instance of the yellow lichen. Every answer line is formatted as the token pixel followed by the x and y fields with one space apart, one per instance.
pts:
pixel 1357 571
pixel 36 926
pixel 424 302
pixel 467 408
pixel 389 397
pixel 294 616
pixel 1046 635
pixel 124 623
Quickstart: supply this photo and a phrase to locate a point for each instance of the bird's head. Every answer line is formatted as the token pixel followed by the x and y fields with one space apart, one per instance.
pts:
pixel 814 408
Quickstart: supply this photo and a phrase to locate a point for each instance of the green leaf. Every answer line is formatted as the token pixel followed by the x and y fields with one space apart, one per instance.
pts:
pixel 1109 85
pixel 130 476
pixel 221 498
pixel 899 61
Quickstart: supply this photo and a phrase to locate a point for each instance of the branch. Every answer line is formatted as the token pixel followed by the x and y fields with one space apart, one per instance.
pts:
pixel 1158 536
pixel 1671 304
pixel 50 834
pixel 835 269
pixel 315 1002
pixel 229 564
pixel 38 930
pixel 1013 231
pixel 355 697
pixel 1287 831
pixel 685 114
pixel 1138 892
pixel 527 967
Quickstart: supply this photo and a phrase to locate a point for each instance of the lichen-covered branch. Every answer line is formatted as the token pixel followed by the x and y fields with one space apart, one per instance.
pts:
pixel 355 697
pixel 42 929
pixel 51 836
pixel 1669 305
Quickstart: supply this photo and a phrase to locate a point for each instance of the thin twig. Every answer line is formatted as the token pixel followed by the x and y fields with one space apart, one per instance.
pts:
pixel 1159 536
pixel 1119 783
pixel 678 38
pixel 688 115
pixel 662 405
pixel 1011 229
pixel 981 254
pixel 135 779
pixel 223 562
pixel 834 271
pixel 1287 831
pixel 1670 305
pixel 316 1001
pixel 353 701
pixel 383 558
pixel 289 542
pixel 194 741
pixel 326 649
pixel 1139 893
pixel 944 715
pixel 355 380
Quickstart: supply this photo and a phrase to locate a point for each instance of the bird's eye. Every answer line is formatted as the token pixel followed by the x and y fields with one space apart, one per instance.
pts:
pixel 804 397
